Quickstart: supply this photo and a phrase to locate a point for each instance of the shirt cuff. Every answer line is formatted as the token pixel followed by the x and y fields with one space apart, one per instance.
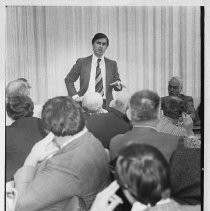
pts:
pixel 75 96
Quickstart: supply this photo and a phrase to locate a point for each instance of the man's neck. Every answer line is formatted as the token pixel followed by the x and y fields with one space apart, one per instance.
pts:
pixel 98 56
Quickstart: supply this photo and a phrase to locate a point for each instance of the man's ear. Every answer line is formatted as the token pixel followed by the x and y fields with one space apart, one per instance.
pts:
pixel 166 194
pixel 128 113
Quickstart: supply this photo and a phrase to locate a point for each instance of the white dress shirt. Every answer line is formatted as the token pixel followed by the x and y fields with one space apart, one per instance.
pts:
pixel 91 87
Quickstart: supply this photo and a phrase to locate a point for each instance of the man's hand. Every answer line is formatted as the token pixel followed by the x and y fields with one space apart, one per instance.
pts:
pixel 41 150
pixel 107 200
pixel 187 124
pixel 118 84
pixel 79 99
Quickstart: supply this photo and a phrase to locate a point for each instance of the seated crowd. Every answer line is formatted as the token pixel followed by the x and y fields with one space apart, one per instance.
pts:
pixel 140 154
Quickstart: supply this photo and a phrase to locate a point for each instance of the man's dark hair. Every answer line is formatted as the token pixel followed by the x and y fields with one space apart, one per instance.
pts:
pixel 100 36
pixel 22 79
pixel 62 116
pixel 19 106
pixel 144 106
pixel 143 171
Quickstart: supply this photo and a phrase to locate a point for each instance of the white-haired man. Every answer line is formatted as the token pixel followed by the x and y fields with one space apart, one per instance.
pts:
pixel 174 89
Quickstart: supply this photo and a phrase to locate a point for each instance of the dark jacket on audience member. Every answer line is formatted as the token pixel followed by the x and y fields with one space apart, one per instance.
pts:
pixel 21 135
pixel 107 125
pixel 164 142
pixel 185 175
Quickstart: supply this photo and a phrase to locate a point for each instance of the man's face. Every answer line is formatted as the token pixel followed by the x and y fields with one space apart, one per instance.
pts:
pixel 174 87
pixel 99 47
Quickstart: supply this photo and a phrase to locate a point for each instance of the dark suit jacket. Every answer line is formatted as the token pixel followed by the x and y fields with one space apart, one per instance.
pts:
pixel 185 175
pixel 82 69
pixel 21 135
pixel 79 169
pixel 164 142
pixel 173 206
pixel 107 125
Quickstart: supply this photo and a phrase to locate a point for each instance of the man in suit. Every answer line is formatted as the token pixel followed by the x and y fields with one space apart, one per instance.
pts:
pixel 144 111
pixel 22 134
pixel 97 73
pixel 69 162
pixel 174 89
pixel 107 125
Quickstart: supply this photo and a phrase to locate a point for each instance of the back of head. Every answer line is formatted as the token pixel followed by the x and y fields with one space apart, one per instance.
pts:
pixel 16 87
pixel 62 116
pixel 174 106
pixel 120 101
pixel 144 106
pixel 143 171
pixel 19 106
pixel 92 102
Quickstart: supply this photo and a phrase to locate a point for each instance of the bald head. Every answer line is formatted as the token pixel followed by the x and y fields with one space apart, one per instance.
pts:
pixel 174 86
pixel 120 101
pixel 92 102
pixel 17 87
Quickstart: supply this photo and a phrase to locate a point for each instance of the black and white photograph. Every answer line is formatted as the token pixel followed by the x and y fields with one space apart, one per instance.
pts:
pixel 103 105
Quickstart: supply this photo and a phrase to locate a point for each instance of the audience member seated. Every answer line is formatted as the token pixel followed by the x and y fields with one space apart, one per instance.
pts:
pixel 106 126
pixel 22 134
pixel 185 172
pixel 174 89
pixel 20 87
pixel 198 115
pixel 73 163
pixel 15 88
pixel 92 104
pixel 174 119
pixel 144 112
pixel 142 173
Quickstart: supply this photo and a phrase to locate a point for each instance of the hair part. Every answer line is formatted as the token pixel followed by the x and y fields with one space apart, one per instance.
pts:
pixel 62 116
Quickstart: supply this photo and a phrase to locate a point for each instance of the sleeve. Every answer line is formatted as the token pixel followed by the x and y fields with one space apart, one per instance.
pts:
pixel 116 77
pixel 115 146
pixel 190 107
pixel 47 187
pixel 72 77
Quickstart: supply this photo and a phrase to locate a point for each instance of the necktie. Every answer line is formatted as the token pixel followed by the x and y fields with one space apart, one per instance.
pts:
pixel 99 80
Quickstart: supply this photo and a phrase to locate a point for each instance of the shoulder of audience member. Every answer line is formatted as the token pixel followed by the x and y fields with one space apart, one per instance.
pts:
pixel 192 142
pixel 186 98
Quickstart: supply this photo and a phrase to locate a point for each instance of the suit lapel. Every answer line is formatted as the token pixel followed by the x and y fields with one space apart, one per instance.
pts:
pixel 108 73
pixel 87 70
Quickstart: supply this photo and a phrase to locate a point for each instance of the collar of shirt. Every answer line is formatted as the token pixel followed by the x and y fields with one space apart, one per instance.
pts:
pixel 164 201
pixel 147 126
pixel 74 137
pixel 69 141
pixel 95 59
